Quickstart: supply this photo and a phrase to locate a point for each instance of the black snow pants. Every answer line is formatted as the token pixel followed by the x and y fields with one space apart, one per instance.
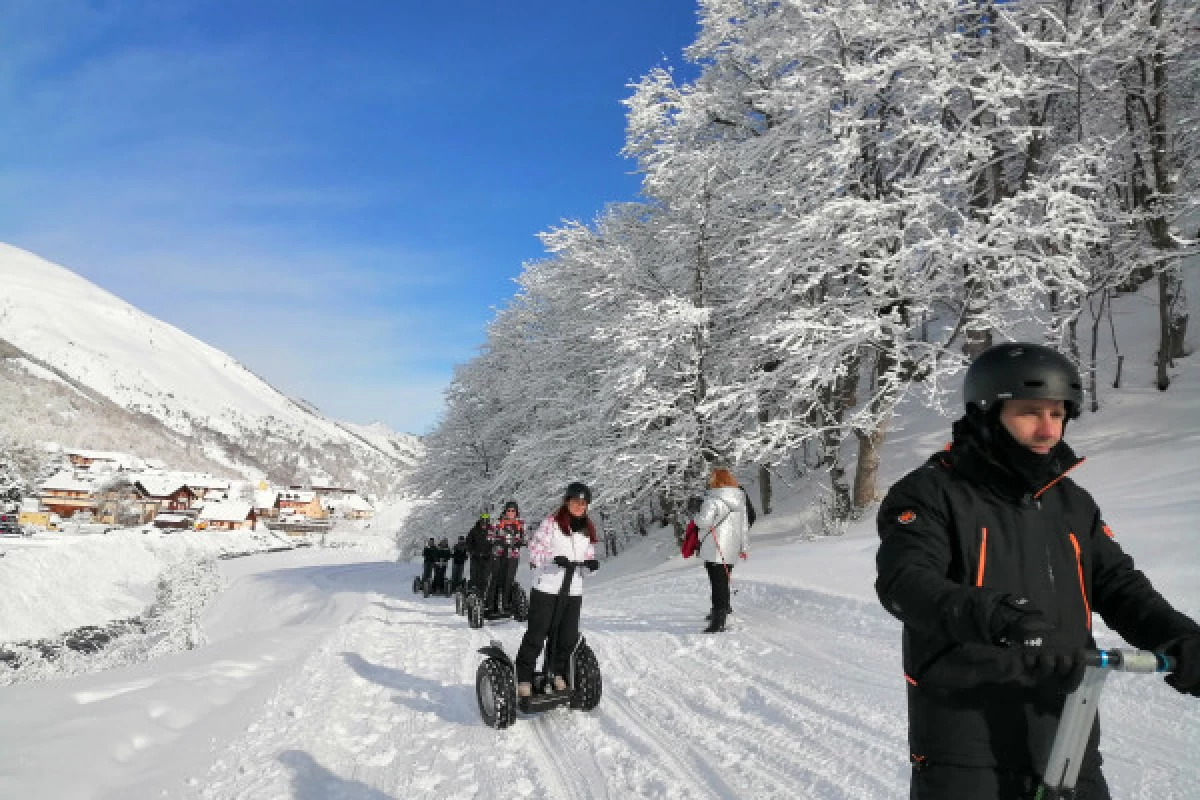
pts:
pixel 718 578
pixel 949 782
pixel 478 572
pixel 497 593
pixel 456 573
pixel 427 574
pixel 541 615
pixel 510 578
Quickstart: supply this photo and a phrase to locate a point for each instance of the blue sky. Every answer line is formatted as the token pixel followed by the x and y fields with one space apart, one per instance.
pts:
pixel 335 193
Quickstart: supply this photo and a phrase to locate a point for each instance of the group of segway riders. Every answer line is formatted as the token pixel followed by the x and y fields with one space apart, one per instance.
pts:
pixel 973 547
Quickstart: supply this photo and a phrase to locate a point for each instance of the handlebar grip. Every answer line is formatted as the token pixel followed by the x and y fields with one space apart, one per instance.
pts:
pixel 1129 660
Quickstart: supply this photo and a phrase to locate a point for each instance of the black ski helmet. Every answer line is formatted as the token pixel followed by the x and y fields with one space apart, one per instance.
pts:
pixel 513 505
pixel 1021 370
pixel 578 490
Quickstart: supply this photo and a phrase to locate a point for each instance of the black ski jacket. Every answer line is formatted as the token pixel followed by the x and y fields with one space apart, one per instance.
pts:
pixel 956 536
pixel 429 554
pixel 460 553
pixel 477 541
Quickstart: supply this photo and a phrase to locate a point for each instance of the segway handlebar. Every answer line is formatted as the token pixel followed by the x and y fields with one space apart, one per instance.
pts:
pixel 1125 660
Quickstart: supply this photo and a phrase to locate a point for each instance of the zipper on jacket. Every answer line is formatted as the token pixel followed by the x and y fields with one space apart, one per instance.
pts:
pixel 982 557
pixel 1082 585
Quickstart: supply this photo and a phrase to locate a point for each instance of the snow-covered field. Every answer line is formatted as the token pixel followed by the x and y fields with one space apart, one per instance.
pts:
pixel 324 676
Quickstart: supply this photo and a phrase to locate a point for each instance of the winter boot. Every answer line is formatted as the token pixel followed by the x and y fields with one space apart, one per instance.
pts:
pixel 717 624
pixel 709 615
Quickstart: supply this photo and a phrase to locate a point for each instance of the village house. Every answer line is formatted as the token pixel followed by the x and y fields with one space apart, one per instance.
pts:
pixel 102 461
pixel 169 492
pixel 206 486
pixel 66 495
pixel 299 502
pixel 227 515
pixel 350 506
pixel 121 502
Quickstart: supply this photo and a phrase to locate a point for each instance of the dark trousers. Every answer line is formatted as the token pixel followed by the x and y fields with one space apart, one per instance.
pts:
pixel 456 573
pixel 478 572
pixel 510 578
pixel 427 573
pixel 439 577
pixel 949 782
pixel 718 578
pixel 497 594
pixel 541 616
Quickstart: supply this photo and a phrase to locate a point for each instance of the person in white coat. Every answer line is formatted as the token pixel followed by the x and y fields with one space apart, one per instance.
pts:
pixel 724 529
pixel 564 538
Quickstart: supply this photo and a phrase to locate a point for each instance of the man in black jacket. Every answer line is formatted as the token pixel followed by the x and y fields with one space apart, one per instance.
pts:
pixel 995 562
pixel 479 547
pixel 429 556
pixel 461 553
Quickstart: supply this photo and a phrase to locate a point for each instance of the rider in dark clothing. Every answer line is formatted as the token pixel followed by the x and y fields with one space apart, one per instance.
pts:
pixel 995 561
pixel 479 547
pixel 459 560
pixel 429 554
pixel 442 555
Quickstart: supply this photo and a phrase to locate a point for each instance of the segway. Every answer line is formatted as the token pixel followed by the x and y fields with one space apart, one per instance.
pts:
pixel 475 606
pixel 1079 715
pixel 417 584
pixel 496 678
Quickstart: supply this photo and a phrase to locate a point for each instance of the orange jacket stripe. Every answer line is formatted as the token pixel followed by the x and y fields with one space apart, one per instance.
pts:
pixel 1082 585
pixel 982 558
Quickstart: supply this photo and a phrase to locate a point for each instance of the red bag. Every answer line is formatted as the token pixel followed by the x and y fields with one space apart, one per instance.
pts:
pixel 691 540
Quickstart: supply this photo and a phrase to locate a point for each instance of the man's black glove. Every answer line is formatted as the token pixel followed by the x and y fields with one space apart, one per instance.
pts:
pixel 562 561
pixel 1015 622
pixel 592 564
pixel 1052 666
pixel 1185 677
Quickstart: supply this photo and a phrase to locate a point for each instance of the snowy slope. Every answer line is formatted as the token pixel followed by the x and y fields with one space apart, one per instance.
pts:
pixel 78 333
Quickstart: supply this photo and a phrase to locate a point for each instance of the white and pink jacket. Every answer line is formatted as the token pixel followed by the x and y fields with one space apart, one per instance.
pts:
pixel 550 541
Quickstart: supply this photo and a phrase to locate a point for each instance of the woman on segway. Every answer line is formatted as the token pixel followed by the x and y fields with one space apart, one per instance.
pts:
pixel 564 538
pixel 512 528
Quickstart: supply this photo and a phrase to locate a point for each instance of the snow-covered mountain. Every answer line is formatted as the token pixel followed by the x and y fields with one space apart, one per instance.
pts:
pixel 61 336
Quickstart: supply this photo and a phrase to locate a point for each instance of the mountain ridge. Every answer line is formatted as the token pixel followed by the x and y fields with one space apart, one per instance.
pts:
pixel 104 348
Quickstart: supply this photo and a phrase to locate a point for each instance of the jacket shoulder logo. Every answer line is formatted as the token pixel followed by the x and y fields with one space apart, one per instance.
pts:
pixel 906 517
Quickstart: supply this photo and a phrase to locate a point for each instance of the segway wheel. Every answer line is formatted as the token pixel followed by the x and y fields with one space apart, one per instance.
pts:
pixel 588 683
pixel 417 585
pixel 474 612
pixel 496 690
pixel 520 604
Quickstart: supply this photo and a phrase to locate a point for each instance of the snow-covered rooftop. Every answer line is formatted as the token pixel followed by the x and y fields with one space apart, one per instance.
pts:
pixel 226 511
pixel 161 485
pixel 66 481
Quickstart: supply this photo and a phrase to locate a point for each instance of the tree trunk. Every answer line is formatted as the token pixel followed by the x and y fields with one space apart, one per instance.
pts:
pixel 764 490
pixel 1172 323
pixel 866 472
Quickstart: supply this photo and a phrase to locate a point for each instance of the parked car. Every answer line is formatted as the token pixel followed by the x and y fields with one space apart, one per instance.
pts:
pixel 10 526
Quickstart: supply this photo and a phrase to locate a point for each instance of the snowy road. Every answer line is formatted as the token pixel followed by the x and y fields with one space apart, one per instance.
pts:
pixel 386 707
pixel 327 677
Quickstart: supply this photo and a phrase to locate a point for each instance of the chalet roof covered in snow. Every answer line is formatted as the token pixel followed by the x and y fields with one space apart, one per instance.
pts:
pixel 161 485
pixel 226 511
pixel 66 481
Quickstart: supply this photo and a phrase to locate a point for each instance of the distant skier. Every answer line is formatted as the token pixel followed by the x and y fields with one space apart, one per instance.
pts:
pixel 479 547
pixel 724 529
pixel 995 561
pixel 459 560
pixel 567 536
